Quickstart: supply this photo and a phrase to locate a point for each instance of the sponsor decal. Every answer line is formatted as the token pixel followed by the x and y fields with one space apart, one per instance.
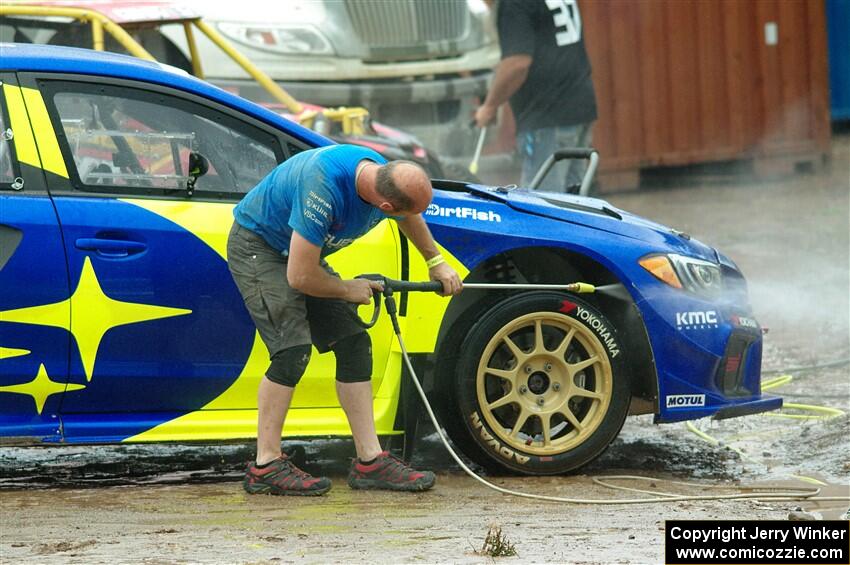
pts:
pixel 685 400
pixel 491 441
pixel 744 322
pixel 696 320
pixel 463 213
pixel 593 321
pixel 324 212
pixel 310 215
pixel 320 200
pixel 332 242
pixel 316 208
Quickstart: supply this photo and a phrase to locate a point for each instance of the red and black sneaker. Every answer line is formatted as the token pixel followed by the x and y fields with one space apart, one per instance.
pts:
pixel 388 473
pixel 282 477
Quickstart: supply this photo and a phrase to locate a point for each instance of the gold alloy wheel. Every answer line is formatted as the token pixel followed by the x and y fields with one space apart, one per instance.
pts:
pixel 544 383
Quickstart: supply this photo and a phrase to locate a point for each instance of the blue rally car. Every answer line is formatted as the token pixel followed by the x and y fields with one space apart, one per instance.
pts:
pixel 119 321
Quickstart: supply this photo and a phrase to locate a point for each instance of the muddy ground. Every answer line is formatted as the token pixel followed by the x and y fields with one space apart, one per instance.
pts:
pixel 181 504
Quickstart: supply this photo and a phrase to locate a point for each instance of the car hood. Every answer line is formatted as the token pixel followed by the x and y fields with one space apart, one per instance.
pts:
pixel 596 214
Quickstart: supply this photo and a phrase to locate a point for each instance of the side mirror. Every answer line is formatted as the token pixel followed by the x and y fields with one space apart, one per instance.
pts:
pixel 198 167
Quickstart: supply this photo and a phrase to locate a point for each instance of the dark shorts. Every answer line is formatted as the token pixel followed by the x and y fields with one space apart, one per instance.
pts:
pixel 284 316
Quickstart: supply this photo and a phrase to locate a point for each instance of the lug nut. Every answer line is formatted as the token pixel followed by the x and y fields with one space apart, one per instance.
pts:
pixel 528 369
pixel 556 386
pixel 541 401
pixel 523 389
pixel 547 367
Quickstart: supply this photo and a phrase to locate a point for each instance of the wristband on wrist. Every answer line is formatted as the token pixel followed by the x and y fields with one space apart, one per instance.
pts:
pixel 434 261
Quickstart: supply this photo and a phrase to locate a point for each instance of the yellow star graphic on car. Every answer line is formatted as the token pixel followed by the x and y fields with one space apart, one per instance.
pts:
pixel 93 313
pixel 40 388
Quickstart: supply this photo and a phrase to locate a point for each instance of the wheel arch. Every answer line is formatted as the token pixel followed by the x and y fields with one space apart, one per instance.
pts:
pixel 550 265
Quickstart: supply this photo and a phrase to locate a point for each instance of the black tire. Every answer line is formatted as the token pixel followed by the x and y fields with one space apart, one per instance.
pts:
pixel 583 407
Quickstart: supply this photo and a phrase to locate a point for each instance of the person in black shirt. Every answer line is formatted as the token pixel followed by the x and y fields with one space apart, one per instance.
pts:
pixel 545 73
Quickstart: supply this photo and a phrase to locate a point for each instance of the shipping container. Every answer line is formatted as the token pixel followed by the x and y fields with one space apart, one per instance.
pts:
pixel 692 81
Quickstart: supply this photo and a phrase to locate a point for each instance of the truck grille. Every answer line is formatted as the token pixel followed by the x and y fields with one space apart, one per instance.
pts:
pixel 402 23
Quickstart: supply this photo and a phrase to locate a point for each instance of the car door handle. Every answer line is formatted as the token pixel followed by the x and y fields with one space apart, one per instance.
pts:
pixel 110 247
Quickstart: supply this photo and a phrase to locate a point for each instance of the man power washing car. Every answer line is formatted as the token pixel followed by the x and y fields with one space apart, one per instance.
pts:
pixel 310 206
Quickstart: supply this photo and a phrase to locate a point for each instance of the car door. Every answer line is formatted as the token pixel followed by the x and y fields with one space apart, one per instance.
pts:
pixel 35 309
pixel 162 331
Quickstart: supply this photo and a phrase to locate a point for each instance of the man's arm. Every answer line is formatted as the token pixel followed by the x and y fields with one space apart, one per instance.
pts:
pixel 305 274
pixel 510 75
pixel 416 230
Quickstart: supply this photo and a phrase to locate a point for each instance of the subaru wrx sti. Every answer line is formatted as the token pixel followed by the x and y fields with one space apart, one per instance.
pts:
pixel 119 321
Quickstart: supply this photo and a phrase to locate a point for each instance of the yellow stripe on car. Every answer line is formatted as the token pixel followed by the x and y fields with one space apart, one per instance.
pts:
pixel 48 145
pixel 221 420
pixel 24 141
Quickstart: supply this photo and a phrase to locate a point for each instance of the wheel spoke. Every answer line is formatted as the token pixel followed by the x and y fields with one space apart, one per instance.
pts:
pixel 561 351
pixel 507 374
pixel 507 399
pixel 581 365
pixel 520 422
pixel 546 422
pixel 538 337
pixel 517 352
pixel 571 418
pixel 579 391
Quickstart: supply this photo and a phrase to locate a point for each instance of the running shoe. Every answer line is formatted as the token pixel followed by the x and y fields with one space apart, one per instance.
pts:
pixel 281 476
pixel 388 473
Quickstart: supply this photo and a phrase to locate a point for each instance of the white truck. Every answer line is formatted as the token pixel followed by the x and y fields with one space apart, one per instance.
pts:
pixel 419 65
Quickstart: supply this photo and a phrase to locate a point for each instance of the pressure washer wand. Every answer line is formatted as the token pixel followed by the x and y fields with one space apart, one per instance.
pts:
pixel 436 286
pixel 577 287
pixel 391 286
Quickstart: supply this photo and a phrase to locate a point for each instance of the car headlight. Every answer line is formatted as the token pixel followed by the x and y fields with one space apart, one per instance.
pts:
pixel 297 40
pixel 695 275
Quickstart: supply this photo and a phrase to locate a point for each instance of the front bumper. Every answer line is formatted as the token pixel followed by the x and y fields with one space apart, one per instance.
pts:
pixel 766 403
pixel 707 358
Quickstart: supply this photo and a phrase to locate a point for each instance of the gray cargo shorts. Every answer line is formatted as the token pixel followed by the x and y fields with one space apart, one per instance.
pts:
pixel 284 316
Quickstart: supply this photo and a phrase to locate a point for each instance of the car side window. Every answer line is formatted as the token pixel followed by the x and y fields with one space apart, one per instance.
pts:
pixel 131 141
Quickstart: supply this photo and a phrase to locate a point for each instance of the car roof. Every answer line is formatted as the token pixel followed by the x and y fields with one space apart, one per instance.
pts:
pixel 122 11
pixel 25 57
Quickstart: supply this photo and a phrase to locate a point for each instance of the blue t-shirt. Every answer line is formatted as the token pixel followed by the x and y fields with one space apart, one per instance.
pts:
pixel 313 194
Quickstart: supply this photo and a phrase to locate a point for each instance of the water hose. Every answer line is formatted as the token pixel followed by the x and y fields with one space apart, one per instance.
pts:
pixel 827 365
pixel 755 493
pixel 821 413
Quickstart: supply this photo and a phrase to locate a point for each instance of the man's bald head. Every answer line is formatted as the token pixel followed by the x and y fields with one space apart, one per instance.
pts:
pixel 405 185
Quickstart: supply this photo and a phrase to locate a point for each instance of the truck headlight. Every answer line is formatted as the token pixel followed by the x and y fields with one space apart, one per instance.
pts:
pixel 300 40
pixel 698 276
